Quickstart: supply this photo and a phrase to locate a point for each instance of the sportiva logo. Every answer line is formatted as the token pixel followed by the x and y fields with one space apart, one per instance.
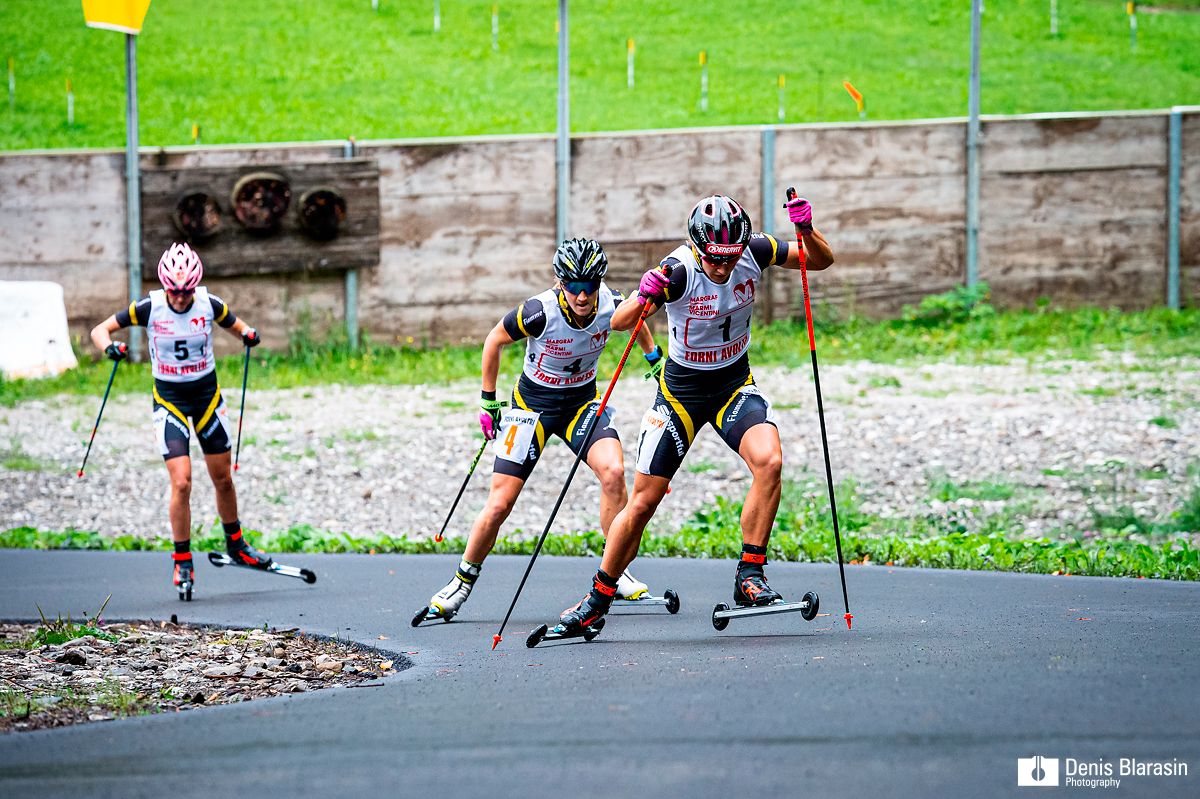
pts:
pixel 744 292
pixel 724 249
pixel 1037 772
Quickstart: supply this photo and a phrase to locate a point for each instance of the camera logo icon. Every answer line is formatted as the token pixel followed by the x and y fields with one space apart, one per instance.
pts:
pixel 1037 772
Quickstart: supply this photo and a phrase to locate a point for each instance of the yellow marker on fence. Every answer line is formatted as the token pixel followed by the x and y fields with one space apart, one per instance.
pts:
pixel 1131 10
pixel 782 81
pixel 858 99
pixel 703 80
pixel 125 16
pixel 195 134
pixel 629 50
pixel 70 104
pixel 12 84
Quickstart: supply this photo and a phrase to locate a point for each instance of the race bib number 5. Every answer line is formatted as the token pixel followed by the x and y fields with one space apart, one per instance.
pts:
pixel 517 428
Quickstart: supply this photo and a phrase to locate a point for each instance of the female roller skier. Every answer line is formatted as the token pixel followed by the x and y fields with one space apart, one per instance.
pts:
pixel 179 319
pixel 709 298
pixel 565 330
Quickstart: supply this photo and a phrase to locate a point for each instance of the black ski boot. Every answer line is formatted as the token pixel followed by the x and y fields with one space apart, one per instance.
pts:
pixel 750 587
pixel 183 576
pixel 245 555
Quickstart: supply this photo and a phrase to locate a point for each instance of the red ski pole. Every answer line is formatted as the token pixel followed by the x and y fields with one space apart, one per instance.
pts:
pixel 499 636
pixel 812 348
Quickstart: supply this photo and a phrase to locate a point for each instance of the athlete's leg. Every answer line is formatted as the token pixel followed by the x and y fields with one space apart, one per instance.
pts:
pixel 222 480
pixel 625 532
pixel 500 501
pixel 762 452
pixel 180 470
pixel 608 462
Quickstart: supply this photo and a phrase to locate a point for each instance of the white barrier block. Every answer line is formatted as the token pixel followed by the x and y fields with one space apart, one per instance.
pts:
pixel 34 341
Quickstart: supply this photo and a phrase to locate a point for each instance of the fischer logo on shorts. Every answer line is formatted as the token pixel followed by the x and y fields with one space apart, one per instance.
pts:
pixel 724 249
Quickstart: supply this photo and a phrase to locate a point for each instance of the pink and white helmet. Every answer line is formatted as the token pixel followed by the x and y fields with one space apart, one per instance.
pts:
pixel 180 269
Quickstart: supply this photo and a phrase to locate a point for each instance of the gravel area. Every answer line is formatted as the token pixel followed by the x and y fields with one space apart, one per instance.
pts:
pixel 156 667
pixel 1067 435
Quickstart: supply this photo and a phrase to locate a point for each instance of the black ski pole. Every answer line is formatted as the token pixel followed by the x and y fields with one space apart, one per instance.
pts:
pixel 499 636
pixel 462 488
pixel 812 348
pixel 242 413
pixel 96 426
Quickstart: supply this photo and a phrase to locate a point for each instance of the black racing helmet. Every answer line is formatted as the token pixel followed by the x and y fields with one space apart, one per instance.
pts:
pixel 719 228
pixel 580 259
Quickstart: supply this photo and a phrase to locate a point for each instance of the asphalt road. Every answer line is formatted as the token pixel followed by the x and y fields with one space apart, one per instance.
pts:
pixel 946 679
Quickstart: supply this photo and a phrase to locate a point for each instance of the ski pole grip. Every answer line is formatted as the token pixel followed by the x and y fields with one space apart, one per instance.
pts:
pixel 790 193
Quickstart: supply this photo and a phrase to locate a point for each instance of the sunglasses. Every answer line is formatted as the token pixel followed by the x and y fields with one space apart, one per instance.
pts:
pixel 581 286
pixel 181 292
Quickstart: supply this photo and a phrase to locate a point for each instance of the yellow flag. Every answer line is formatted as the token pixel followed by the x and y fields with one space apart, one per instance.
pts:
pixel 125 16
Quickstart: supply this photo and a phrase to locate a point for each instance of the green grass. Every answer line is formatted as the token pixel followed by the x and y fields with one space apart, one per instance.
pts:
pixel 975 336
pixel 959 538
pixel 277 70
pixel 941 487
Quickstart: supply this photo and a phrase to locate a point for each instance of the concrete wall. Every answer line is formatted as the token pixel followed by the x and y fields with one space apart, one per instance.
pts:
pixel 1073 208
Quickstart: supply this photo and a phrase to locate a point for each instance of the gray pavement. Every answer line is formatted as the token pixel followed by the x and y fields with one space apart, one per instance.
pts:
pixel 946 679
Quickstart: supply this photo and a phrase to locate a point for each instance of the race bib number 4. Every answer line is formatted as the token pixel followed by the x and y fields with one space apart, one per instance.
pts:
pixel 517 428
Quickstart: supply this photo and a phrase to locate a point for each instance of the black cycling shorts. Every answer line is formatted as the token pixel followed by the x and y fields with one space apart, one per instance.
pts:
pixel 567 414
pixel 687 399
pixel 199 401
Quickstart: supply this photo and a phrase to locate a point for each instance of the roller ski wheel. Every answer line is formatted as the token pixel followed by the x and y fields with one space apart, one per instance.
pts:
pixel 807 607
pixel 672 601
pixel 220 559
pixel 560 632
pixel 430 613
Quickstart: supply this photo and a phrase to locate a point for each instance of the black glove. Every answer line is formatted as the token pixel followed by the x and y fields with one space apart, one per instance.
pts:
pixel 250 338
pixel 117 350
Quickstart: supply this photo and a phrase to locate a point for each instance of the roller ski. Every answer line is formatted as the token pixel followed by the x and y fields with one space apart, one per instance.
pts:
pixel 183 576
pixel 585 620
pixel 446 603
pixel 631 591
pixel 239 553
pixel 752 596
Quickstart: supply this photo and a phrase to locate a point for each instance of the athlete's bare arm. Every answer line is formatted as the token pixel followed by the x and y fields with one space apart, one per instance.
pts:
pixel 102 333
pixel 645 339
pixel 495 340
pixel 820 254
pixel 627 313
pixel 238 327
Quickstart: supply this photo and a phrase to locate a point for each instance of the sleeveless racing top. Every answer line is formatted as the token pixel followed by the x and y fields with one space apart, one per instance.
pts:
pixel 181 343
pixel 710 322
pixel 563 355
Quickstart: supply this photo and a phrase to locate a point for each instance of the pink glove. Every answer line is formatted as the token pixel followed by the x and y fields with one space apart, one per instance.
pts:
pixel 653 286
pixel 489 417
pixel 800 212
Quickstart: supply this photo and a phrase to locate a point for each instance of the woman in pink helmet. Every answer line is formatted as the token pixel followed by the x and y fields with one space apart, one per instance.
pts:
pixel 179 320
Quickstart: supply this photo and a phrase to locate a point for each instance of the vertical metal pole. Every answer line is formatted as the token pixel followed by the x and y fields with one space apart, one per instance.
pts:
pixel 1174 167
pixel 767 225
pixel 563 157
pixel 133 196
pixel 973 151
pixel 349 150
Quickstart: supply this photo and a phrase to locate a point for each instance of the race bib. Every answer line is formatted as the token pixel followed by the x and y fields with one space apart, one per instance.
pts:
pixel 517 428
pixel 654 426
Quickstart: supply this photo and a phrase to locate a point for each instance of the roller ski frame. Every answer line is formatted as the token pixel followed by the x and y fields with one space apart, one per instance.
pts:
pixel 184 587
pixel 669 598
pixel 807 607
pixel 544 632
pixel 430 613
pixel 220 559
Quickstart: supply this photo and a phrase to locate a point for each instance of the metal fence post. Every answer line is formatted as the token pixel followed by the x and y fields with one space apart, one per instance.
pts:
pixel 1174 168
pixel 133 197
pixel 768 215
pixel 973 152
pixel 349 150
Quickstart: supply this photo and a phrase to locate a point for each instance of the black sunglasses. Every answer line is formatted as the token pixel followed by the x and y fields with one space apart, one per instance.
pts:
pixel 581 286
pixel 180 292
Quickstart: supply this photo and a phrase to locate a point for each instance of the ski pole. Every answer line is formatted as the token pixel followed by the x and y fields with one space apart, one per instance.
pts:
pixel 812 348
pixel 96 426
pixel 467 479
pixel 242 413
pixel 499 636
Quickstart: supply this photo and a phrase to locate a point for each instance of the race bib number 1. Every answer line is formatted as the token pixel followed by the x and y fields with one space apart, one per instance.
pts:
pixel 517 428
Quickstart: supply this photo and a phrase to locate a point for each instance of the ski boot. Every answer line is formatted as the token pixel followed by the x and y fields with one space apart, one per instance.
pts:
pixel 446 603
pixel 630 588
pixel 585 620
pixel 243 554
pixel 750 589
pixel 184 576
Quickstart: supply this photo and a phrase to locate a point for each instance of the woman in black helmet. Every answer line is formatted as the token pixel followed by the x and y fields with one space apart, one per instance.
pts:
pixel 565 329
pixel 709 298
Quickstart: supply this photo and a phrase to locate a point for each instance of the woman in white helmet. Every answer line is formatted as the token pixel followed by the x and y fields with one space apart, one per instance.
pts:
pixel 179 320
